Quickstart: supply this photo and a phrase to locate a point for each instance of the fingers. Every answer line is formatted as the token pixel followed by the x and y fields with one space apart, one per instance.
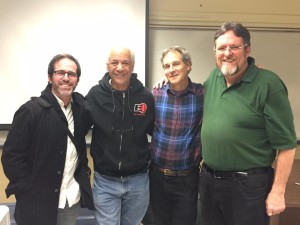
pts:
pixel 273 212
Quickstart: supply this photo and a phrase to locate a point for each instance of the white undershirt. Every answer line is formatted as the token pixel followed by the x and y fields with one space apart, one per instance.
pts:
pixel 69 189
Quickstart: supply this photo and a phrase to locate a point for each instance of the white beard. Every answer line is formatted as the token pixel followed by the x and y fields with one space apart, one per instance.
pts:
pixel 229 70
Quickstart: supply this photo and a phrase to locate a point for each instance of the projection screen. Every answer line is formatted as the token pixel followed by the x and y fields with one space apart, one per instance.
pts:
pixel 33 31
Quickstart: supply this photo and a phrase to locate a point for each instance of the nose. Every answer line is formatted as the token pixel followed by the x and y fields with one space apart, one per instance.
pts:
pixel 119 66
pixel 66 76
pixel 228 52
pixel 172 68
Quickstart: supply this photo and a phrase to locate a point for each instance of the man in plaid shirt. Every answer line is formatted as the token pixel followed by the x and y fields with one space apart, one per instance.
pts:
pixel 175 152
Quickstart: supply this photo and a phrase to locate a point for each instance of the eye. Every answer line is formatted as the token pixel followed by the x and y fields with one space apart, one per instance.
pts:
pixel 60 72
pixel 72 74
pixel 176 64
pixel 234 48
pixel 114 63
pixel 166 66
pixel 125 63
pixel 221 49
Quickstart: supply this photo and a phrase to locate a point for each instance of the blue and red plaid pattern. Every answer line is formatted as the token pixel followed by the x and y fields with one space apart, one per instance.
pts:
pixel 176 141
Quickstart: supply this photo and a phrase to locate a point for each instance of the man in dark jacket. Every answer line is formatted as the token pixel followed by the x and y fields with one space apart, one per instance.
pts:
pixel 122 112
pixel 45 163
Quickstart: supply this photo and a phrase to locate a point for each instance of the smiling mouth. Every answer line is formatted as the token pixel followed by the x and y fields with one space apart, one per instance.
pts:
pixel 173 75
pixel 65 86
pixel 228 60
pixel 120 75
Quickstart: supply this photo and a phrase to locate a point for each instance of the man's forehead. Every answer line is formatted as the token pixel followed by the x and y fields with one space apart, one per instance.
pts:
pixel 172 56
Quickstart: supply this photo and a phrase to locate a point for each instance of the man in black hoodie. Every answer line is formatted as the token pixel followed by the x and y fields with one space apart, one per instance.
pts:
pixel 121 111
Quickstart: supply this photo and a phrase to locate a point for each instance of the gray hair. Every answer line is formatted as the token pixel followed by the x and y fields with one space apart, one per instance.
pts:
pixel 132 54
pixel 185 55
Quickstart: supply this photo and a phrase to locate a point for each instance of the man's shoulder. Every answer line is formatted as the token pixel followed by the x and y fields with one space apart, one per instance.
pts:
pixel 147 95
pixel 77 97
pixel 197 86
pixel 145 91
pixel 42 102
pixel 32 107
pixel 98 91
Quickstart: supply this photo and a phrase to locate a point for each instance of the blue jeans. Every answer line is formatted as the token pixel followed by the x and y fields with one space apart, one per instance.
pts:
pixel 238 200
pixel 120 200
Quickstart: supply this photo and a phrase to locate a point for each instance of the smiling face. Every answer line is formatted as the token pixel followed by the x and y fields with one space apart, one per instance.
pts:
pixel 176 70
pixel 120 67
pixel 63 86
pixel 231 55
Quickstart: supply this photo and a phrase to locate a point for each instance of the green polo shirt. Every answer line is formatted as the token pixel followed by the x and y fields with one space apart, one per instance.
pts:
pixel 245 124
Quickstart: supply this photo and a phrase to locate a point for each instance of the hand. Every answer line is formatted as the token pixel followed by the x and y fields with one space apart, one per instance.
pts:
pixel 275 203
pixel 160 83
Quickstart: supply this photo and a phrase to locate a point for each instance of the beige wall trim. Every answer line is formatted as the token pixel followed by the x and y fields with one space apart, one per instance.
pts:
pixel 215 27
pixel 187 18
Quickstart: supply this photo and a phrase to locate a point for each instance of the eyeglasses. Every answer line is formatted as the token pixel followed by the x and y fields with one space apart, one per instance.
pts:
pixel 62 73
pixel 233 48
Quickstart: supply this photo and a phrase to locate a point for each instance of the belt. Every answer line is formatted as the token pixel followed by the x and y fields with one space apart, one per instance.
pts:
pixel 232 174
pixel 175 173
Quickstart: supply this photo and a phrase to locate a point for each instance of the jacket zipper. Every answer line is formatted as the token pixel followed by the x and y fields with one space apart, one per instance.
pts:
pixel 120 163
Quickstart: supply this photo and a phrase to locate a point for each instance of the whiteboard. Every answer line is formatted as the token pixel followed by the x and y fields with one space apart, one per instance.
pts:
pixel 274 50
pixel 33 31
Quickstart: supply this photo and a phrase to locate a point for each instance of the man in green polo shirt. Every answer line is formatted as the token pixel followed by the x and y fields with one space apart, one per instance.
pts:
pixel 247 121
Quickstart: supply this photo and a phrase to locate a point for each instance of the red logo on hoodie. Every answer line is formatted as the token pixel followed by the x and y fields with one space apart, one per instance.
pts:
pixel 140 109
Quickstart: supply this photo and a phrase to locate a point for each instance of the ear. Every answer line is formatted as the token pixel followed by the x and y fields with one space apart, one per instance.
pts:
pixel 49 79
pixel 248 51
pixel 132 66
pixel 188 67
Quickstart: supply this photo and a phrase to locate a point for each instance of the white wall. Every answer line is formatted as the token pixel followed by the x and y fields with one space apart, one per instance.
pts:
pixel 33 31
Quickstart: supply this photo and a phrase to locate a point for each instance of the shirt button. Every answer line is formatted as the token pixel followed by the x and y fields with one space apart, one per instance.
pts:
pixel 58 172
pixel 56 190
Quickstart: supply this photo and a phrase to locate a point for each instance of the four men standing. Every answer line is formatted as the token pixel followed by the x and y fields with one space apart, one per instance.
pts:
pixel 246 118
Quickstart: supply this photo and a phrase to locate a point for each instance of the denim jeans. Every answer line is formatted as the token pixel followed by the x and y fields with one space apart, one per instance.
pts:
pixel 234 201
pixel 120 200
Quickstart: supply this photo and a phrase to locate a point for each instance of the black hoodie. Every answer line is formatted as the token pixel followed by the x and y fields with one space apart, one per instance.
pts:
pixel 122 120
